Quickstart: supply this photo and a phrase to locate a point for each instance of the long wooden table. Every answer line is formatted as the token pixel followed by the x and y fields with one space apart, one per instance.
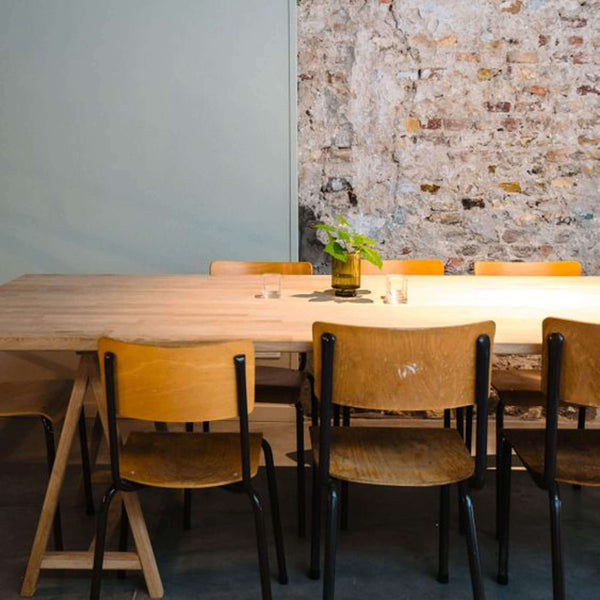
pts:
pixel 70 312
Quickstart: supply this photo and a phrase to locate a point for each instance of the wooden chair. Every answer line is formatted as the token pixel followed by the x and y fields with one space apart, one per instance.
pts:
pixel 242 267
pixel 404 267
pixel 185 384
pixel 571 372
pixel 278 385
pixel 396 369
pixel 47 401
pixel 521 387
pixel 513 269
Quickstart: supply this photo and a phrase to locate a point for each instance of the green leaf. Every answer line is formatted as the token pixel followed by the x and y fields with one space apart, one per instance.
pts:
pixel 344 235
pixel 364 240
pixel 335 250
pixel 372 256
pixel 325 227
pixel 343 221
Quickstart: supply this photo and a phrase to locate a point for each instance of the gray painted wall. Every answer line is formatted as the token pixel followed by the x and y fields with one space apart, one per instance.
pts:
pixel 145 135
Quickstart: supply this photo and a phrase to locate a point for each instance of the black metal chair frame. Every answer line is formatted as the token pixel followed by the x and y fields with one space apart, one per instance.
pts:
pixel 322 480
pixel 123 485
pixel 547 481
pixel 300 463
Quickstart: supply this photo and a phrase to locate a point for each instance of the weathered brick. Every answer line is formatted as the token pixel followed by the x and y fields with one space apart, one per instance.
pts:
pixel 512 187
pixel 454 124
pixel 497 106
pixel 434 124
pixel 584 90
pixel 576 22
pixel 563 182
pixel 586 140
pixel 431 188
pixel 537 90
pixel 510 124
pixel 512 7
pixel 575 40
pixel 542 39
pixel 484 74
pixel 412 125
pixel 522 56
pixel 467 57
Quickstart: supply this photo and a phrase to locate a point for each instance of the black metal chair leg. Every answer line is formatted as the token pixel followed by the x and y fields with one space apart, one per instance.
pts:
pixel 206 427
pixel 187 509
pixel 558 577
pixel 444 534
pixel 330 542
pixel 499 427
pixel 469 427
pixel 85 465
pixel 472 546
pixel 300 470
pixel 187 494
pixel 503 508
pixel 336 415
pixel 315 534
pixel 274 501
pixel 50 454
pixel 345 489
pixel 460 427
pixel 123 536
pixel 580 425
pixel 100 542
pixel 261 542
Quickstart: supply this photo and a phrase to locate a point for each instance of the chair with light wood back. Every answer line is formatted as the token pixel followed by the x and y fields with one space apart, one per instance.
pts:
pixel 397 370
pixel 521 387
pixel 246 267
pixel 201 382
pixel 47 400
pixel 528 269
pixel 553 456
pixel 404 267
pixel 279 385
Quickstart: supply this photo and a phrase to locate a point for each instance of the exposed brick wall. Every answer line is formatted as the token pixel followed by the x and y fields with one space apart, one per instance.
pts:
pixel 458 130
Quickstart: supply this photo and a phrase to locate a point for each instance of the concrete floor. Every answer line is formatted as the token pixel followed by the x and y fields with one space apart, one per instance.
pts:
pixel 389 552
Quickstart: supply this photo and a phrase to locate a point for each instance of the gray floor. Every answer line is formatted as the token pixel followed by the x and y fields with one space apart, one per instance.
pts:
pixel 389 552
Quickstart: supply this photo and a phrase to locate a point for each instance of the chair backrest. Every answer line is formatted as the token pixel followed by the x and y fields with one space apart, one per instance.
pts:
pixel 561 268
pixel 240 267
pixel 404 267
pixel 580 360
pixel 177 384
pixel 402 369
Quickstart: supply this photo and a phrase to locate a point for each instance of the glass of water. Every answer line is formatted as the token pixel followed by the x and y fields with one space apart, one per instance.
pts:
pixel 396 291
pixel 271 285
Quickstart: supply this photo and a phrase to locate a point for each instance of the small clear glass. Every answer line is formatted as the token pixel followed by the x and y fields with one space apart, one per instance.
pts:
pixel 271 285
pixel 396 291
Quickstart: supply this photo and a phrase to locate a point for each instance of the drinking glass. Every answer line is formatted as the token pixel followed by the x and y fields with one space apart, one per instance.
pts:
pixel 396 289
pixel 271 285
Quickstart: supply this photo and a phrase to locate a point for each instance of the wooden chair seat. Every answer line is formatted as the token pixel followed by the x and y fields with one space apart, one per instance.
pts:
pixel 186 460
pixel 396 456
pixel 46 399
pixel 519 387
pixel 278 385
pixel 578 454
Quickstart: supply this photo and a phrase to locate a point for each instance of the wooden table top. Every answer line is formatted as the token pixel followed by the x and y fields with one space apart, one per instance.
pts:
pixel 70 312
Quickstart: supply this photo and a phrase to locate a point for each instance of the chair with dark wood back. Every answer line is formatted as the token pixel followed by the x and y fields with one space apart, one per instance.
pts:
pixel 403 267
pixel 47 400
pixel 399 369
pixel 202 382
pixel 279 385
pixel 571 375
pixel 521 387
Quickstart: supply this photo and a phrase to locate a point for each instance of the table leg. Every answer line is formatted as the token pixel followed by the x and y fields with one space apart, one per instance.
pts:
pixel 132 504
pixel 65 442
